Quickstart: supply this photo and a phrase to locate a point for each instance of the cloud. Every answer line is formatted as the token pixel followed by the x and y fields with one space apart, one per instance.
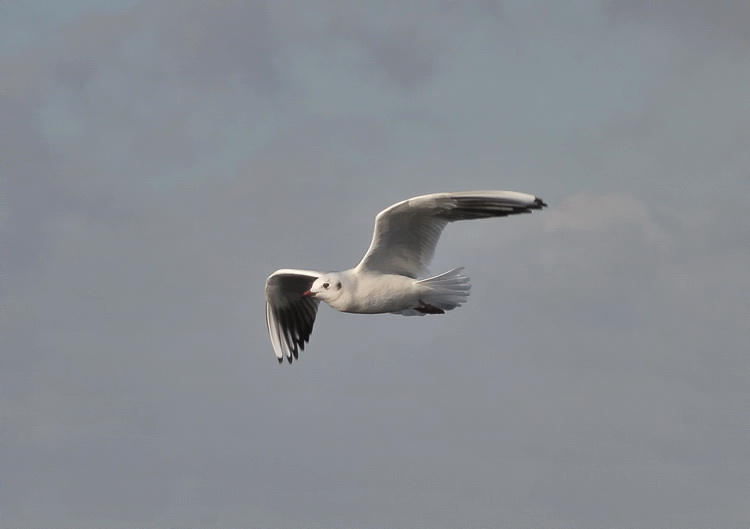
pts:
pixel 718 24
pixel 585 212
pixel 209 44
pixel 396 44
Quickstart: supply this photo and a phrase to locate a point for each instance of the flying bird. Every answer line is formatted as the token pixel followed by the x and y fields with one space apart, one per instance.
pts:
pixel 387 278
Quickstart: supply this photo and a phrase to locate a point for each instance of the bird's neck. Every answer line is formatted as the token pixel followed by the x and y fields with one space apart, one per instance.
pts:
pixel 348 300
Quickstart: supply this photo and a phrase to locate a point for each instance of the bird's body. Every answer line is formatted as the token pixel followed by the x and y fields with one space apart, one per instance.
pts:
pixel 368 293
pixel 386 280
pixel 385 293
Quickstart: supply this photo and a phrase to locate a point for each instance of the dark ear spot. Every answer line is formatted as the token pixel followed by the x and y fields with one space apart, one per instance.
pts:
pixel 338 285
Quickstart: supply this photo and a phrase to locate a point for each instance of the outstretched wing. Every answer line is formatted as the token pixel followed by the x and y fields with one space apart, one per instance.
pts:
pixel 289 316
pixel 407 232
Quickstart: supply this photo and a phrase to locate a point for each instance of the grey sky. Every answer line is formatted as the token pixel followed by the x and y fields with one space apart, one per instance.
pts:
pixel 161 159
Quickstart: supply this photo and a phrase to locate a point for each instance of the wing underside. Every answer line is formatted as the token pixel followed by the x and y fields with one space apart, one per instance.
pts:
pixel 290 316
pixel 407 233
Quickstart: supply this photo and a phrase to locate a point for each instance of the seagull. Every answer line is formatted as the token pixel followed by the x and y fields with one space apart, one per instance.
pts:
pixel 386 280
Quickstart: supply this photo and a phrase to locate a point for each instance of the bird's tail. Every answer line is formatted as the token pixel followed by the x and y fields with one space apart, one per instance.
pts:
pixel 446 292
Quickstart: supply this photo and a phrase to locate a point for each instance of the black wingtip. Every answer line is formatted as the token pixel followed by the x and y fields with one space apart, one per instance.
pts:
pixel 281 360
pixel 539 202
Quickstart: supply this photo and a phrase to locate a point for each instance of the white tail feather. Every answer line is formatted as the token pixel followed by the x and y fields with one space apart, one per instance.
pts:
pixel 447 291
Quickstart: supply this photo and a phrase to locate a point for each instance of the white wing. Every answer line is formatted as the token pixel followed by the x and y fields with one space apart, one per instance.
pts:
pixel 406 233
pixel 289 316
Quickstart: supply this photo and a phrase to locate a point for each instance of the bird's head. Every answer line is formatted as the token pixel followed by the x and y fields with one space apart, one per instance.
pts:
pixel 327 287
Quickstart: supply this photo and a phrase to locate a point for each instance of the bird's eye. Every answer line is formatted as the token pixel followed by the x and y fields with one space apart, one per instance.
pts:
pixel 338 285
pixel 326 284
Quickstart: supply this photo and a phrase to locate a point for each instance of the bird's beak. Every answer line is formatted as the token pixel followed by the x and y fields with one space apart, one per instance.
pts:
pixel 308 294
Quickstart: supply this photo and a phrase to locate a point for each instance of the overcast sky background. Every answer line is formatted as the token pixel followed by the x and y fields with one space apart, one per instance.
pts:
pixel 161 159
